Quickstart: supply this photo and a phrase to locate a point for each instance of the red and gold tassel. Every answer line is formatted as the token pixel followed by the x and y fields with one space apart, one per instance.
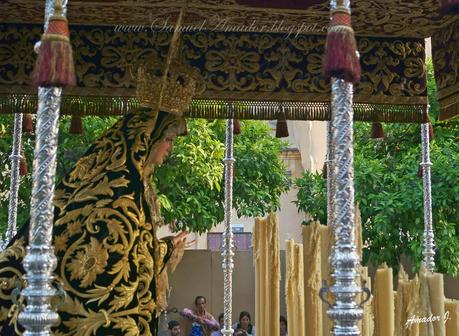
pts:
pixel 76 125
pixel 27 123
pixel 341 58
pixel 377 131
pixel 54 65
pixel 420 170
pixel 281 125
pixel 281 128
pixel 325 170
pixel 236 126
pixel 449 7
pixel 431 131
pixel 23 165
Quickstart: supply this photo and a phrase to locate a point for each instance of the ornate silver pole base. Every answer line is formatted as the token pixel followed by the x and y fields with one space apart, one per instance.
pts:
pixel 345 261
pixel 40 261
pixel 429 243
pixel 228 247
pixel 14 184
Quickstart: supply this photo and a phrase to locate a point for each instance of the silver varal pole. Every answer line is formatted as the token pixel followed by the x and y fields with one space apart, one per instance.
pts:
pixel 14 184
pixel 429 243
pixel 228 246
pixel 331 173
pixel 331 180
pixel 345 312
pixel 40 261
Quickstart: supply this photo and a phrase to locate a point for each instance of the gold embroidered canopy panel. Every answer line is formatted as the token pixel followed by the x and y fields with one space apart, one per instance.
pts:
pixel 261 57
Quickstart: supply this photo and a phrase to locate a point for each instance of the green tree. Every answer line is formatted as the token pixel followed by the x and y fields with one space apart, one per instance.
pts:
pixel 390 193
pixel 70 148
pixel 190 184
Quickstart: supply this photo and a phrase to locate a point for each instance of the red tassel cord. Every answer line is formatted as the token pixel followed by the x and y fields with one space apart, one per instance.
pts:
pixel 431 132
pixel 449 7
pixel 236 126
pixel 281 128
pixel 341 58
pixel 420 171
pixel 54 65
pixel 76 125
pixel 23 166
pixel 27 123
pixel 377 131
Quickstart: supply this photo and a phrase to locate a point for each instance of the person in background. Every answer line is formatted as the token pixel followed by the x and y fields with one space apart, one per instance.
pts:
pixel 174 328
pixel 245 324
pixel 221 322
pixel 203 322
pixel 240 332
pixel 283 326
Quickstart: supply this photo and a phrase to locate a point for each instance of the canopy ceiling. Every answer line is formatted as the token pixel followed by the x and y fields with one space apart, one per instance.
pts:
pixel 414 18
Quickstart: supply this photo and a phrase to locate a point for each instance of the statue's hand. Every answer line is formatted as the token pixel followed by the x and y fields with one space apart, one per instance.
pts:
pixel 181 237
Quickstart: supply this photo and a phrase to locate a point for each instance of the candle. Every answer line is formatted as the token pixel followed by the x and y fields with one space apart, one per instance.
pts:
pixel 366 324
pixel 290 289
pixel 274 281
pixel 358 231
pixel 264 283
pixel 326 241
pixel 300 290
pixel 369 322
pixel 424 309
pixel 452 322
pixel 437 302
pixel 384 301
pixel 412 301
pixel 312 279
pixel 400 302
pixel 256 260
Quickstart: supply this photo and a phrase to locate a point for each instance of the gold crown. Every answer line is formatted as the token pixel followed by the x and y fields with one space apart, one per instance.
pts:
pixel 179 86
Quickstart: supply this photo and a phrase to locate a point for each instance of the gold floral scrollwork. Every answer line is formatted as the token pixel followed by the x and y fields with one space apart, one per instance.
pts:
pixel 393 68
pixel 237 65
pixel 231 65
pixel 445 55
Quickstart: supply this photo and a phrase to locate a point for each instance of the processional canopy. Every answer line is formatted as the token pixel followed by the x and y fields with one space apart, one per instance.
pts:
pixel 243 52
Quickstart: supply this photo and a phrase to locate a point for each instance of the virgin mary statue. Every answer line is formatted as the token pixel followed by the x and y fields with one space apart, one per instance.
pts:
pixel 110 262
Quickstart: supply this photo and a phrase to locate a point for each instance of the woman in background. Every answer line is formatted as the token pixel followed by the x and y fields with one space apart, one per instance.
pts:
pixel 245 324
pixel 283 326
pixel 203 323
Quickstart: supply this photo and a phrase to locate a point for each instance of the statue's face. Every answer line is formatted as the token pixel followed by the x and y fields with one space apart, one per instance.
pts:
pixel 162 150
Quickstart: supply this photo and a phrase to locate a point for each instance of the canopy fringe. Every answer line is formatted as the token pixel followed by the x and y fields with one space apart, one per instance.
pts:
pixel 216 109
pixel 449 108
